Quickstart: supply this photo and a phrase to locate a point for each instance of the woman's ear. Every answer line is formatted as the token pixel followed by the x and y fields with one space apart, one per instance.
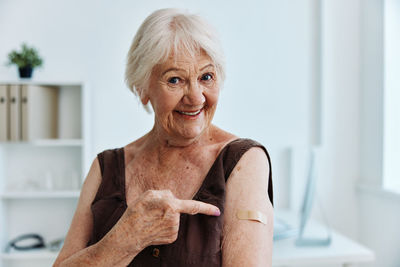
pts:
pixel 144 97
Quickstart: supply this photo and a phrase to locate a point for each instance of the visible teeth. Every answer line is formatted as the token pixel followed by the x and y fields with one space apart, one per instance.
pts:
pixel 190 113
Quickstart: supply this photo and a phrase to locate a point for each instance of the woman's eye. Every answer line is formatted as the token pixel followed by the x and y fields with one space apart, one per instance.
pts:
pixel 206 77
pixel 174 80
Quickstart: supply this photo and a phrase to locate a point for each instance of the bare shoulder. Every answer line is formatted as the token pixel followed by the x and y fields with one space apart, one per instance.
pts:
pixel 247 189
pixel 252 171
pixel 131 149
pixel 222 137
pixel 91 183
pixel 82 222
pixel 89 189
pixel 220 134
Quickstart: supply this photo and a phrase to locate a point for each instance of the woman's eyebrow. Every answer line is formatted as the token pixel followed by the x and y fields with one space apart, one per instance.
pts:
pixel 178 69
pixel 172 69
pixel 209 65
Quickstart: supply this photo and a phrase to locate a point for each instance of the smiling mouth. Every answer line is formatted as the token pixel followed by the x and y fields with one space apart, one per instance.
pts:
pixel 190 113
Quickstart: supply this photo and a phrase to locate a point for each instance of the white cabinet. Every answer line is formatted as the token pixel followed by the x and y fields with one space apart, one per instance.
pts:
pixel 40 178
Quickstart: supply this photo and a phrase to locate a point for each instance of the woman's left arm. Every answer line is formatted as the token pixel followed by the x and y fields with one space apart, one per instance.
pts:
pixel 245 242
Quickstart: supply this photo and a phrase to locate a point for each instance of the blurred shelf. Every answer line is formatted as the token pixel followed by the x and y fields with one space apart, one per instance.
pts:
pixel 39 254
pixel 47 142
pixel 40 177
pixel 41 194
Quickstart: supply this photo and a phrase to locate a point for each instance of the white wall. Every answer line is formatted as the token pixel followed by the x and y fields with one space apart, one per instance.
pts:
pixel 340 166
pixel 352 132
pixel 391 154
pixel 379 216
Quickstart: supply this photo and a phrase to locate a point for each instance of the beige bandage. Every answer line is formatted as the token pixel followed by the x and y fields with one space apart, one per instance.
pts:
pixel 252 215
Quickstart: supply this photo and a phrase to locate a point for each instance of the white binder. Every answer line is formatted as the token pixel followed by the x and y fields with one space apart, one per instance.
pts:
pixel 39 112
pixel 4 110
pixel 15 108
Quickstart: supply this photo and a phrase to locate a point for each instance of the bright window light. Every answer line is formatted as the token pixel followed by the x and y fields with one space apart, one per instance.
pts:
pixel 391 151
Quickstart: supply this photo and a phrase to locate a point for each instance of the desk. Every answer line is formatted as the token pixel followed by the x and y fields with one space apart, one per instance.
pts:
pixel 342 250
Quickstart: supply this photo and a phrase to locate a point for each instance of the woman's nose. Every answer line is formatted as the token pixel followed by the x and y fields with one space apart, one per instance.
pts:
pixel 194 95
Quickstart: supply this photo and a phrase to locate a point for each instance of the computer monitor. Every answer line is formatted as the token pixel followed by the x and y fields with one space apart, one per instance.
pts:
pixel 283 230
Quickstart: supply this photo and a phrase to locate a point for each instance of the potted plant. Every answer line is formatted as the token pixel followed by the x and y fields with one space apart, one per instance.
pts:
pixel 26 60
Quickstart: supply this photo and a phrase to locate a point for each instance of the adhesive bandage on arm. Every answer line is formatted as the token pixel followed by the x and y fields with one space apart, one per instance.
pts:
pixel 252 215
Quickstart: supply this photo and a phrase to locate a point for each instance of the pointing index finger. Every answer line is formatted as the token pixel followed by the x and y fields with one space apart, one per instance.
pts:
pixel 194 207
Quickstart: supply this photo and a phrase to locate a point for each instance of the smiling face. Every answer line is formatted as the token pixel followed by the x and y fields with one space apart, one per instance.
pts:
pixel 184 94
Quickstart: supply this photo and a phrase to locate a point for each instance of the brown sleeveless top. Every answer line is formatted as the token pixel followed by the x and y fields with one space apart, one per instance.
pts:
pixel 199 237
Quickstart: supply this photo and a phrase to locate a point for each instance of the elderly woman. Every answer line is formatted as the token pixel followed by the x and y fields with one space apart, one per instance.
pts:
pixel 187 193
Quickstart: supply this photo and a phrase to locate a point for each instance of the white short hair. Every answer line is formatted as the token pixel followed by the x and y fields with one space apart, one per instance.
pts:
pixel 164 32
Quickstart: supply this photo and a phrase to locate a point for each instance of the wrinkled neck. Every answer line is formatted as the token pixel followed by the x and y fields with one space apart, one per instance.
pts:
pixel 158 137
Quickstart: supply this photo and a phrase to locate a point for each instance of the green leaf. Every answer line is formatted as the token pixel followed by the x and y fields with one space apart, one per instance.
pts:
pixel 28 56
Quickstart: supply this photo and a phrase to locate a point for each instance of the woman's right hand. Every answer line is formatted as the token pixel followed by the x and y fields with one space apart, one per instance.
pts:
pixel 153 219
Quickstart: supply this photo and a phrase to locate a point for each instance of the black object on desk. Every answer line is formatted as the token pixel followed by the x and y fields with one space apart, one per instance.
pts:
pixel 26 242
